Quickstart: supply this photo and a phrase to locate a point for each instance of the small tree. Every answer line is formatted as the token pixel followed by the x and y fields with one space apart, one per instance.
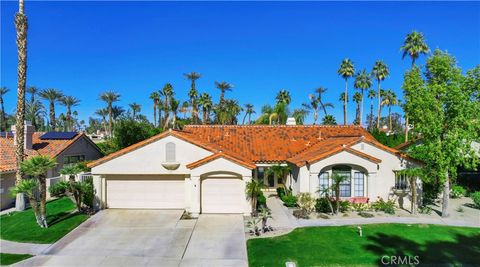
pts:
pixel 264 215
pixel 412 175
pixel 279 171
pixel 37 167
pixel 336 181
pixel 29 187
pixel 253 189
pixel 326 193
pixel 73 188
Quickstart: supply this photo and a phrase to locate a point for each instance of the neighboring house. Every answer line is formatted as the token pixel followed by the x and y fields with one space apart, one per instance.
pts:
pixel 67 148
pixel 204 168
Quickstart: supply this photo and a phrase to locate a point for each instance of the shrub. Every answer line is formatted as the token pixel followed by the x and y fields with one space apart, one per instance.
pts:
pixel 359 207
pixel 476 199
pixel 385 206
pixel 425 210
pixel 289 200
pixel 306 202
pixel 321 205
pixel 300 214
pixel 280 192
pixel 58 189
pixel 344 206
pixel 261 200
pixel 88 192
pixel 457 191
pixel 365 214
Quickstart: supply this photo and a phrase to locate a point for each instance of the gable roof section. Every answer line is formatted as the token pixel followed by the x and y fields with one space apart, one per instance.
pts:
pixel 51 148
pixel 218 155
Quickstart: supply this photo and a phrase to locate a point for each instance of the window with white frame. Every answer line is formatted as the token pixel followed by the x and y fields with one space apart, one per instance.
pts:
pixel 170 152
pixel 359 180
pixel 401 181
pixel 323 181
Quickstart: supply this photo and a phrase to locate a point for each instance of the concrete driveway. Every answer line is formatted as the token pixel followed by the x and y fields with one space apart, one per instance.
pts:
pixel 149 238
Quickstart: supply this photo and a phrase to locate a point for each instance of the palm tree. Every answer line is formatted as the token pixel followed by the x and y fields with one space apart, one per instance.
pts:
pixel 357 98
pixel 52 96
pixel 21 26
pixel 283 96
pixel 184 108
pixel 69 102
pixel 110 97
pixel 279 171
pixel 205 101
pixel 103 112
pixel 228 112
pixel 324 106
pixel 344 98
pixel 34 111
pixel 371 95
pixel 346 70
pixel 336 181
pixel 313 106
pixel 414 45
pixel 155 96
pixel 193 93
pixel 362 82
pixel 253 189
pixel 300 114
pixel 390 100
pixel 33 91
pixel 37 167
pixel 329 120
pixel 136 108
pixel 167 92
pixel 174 104
pixel 248 112
pixel 29 187
pixel 381 72
pixel 3 121
pixel 223 87
pixel 117 111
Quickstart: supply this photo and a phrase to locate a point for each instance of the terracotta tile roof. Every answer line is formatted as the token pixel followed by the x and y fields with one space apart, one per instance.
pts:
pixel 220 155
pixel 50 148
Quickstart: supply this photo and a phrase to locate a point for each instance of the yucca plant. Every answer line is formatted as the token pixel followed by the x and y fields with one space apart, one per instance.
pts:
pixel 29 187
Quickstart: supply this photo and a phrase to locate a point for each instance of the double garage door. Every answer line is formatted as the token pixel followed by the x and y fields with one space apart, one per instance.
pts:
pixel 218 195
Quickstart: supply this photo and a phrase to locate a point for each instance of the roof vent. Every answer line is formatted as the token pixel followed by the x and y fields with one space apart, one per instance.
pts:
pixel 291 121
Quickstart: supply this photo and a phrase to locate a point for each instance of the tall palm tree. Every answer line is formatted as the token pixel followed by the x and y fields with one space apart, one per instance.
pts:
pixel 69 102
pixel 205 101
pixel 380 71
pixel 174 104
pixel 283 96
pixel 52 96
pixel 33 91
pixel 193 94
pixel 167 92
pixel 223 87
pixel 248 112
pixel 35 111
pixel 313 106
pixel 155 96
pixel 390 100
pixel 300 114
pixel 344 98
pixel 110 97
pixel 323 105
pixel 329 120
pixel 184 108
pixel 357 98
pixel 117 111
pixel 103 113
pixel 346 70
pixel 371 95
pixel 232 109
pixel 3 121
pixel 136 108
pixel 362 82
pixel 21 26
pixel 414 45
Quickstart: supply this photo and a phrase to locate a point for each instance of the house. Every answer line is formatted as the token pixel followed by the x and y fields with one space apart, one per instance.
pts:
pixel 204 168
pixel 66 147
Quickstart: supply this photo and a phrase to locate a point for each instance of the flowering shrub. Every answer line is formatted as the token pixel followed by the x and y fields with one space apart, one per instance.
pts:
pixel 385 206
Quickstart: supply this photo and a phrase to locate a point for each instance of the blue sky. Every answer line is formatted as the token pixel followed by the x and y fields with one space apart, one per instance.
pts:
pixel 134 48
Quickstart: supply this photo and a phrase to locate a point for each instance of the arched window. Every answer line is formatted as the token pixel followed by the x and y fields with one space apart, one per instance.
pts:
pixel 346 184
pixel 170 152
pixel 323 181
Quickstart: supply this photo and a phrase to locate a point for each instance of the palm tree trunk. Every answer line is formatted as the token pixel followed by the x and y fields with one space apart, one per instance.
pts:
pixel 315 116
pixel 337 198
pixel 43 201
pixel 345 103
pixel 34 204
pixel 154 114
pixel 69 119
pixel 244 117
pixel 3 125
pixel 110 119
pixel 389 117
pixel 413 189
pixel 159 116
pixel 379 105
pixel 370 121
pixel 167 114
pixel 52 116
pixel 446 195
pixel 361 110
pixel 21 25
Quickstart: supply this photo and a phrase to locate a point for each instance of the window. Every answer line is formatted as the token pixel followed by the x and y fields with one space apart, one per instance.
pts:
pixel 346 184
pixel 358 178
pixel 170 152
pixel 69 160
pixel 260 174
pixel 400 181
pixel 323 181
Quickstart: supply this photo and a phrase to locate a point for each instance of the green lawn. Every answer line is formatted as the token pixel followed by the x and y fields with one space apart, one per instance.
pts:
pixel 342 245
pixel 22 227
pixel 7 259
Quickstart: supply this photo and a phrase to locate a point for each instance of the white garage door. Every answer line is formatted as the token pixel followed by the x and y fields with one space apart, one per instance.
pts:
pixel 222 195
pixel 146 194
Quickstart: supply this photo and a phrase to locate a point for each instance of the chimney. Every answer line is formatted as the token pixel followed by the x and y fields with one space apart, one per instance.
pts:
pixel 28 135
pixel 291 121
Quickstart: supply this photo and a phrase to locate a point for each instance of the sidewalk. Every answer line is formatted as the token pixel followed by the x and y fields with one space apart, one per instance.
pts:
pixel 22 248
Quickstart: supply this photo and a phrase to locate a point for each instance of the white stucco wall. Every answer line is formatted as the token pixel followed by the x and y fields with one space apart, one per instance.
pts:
pixel 148 159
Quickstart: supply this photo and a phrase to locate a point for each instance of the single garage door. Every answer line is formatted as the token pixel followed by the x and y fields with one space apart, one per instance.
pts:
pixel 222 195
pixel 140 193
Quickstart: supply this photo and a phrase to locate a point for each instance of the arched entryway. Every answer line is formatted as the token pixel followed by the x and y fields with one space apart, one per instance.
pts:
pixel 222 192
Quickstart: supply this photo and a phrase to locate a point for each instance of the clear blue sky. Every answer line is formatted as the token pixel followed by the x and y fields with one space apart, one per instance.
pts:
pixel 84 48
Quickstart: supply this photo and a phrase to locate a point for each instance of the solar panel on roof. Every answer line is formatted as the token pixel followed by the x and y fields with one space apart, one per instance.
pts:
pixel 58 136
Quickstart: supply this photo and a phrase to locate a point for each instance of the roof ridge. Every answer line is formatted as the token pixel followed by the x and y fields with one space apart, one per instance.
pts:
pixel 272 126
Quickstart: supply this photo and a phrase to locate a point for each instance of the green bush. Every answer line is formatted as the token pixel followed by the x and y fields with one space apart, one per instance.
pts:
pixel 88 192
pixel 385 206
pixel 261 200
pixel 359 207
pixel 425 210
pixel 476 199
pixel 322 206
pixel 280 192
pixel 344 206
pixel 289 200
pixel 457 191
pixel 58 189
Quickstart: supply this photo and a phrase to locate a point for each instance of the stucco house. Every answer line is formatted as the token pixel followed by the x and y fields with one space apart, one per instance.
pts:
pixel 67 148
pixel 204 168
